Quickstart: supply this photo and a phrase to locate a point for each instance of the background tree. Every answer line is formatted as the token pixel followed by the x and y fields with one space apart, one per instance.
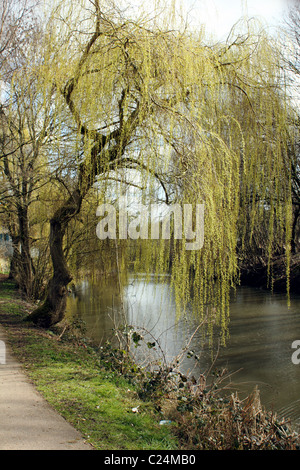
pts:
pixel 17 28
pixel 17 21
pixel 25 172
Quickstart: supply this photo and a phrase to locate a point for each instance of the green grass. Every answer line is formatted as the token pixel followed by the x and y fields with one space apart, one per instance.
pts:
pixel 70 376
pixel 7 290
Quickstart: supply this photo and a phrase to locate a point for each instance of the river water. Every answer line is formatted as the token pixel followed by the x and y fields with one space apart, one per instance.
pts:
pixel 258 352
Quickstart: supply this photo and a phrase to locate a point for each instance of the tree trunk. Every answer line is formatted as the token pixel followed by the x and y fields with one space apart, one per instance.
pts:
pixel 26 268
pixel 14 262
pixel 52 309
pixel 21 265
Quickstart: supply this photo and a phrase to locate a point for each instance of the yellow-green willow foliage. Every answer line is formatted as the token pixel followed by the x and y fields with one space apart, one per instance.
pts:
pixel 209 122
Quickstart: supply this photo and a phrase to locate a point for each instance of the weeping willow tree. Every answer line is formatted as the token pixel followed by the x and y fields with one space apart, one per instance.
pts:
pixel 207 123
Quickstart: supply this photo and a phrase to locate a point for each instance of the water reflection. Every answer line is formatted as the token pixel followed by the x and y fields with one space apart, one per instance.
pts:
pixel 262 330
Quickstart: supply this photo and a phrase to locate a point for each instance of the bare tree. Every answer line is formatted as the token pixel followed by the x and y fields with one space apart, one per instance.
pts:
pixel 23 130
pixel 17 21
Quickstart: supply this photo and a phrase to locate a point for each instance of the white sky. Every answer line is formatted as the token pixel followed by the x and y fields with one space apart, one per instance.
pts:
pixel 220 15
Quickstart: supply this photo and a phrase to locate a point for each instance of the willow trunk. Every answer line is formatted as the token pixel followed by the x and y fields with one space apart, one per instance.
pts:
pixel 52 308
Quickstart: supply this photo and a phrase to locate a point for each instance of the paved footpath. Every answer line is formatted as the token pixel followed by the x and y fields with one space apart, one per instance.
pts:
pixel 27 422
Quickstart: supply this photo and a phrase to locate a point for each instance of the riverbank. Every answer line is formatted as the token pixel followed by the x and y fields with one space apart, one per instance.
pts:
pixel 68 374
pixel 100 394
pixel 259 275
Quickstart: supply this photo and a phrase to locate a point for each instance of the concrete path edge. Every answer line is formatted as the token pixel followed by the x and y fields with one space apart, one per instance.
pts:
pixel 27 421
